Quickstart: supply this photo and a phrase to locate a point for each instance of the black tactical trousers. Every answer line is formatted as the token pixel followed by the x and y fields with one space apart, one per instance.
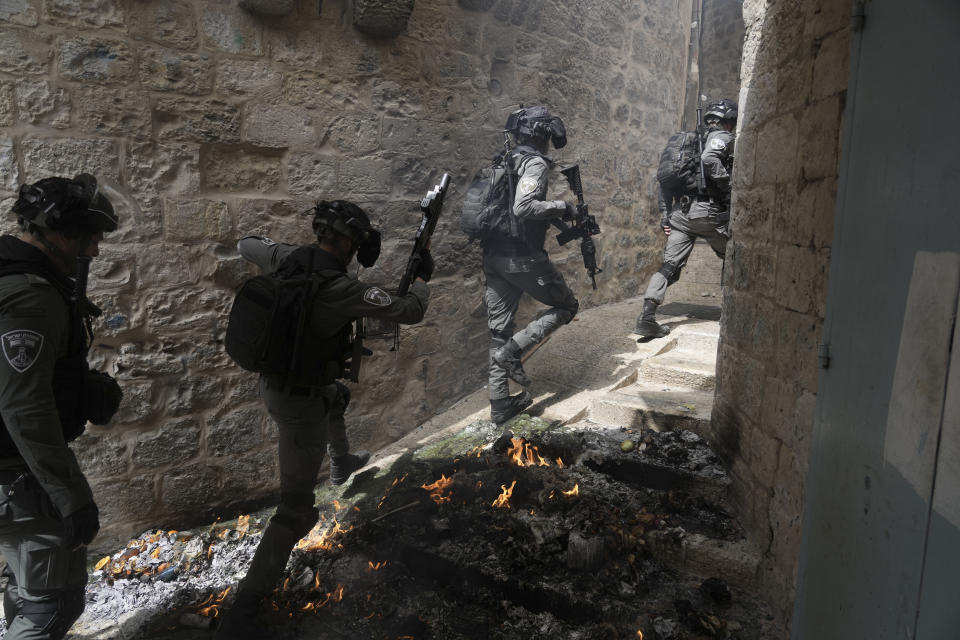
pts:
pixel 309 424
pixel 700 222
pixel 508 278
pixel 45 589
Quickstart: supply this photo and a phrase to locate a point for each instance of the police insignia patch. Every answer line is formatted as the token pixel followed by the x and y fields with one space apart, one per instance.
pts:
pixel 21 348
pixel 527 185
pixel 717 144
pixel 377 297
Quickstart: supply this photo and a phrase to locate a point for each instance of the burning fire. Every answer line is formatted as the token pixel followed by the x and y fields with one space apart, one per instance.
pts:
pixel 503 500
pixel 572 493
pixel 322 537
pixel 396 481
pixel 211 606
pixel 335 596
pixel 438 488
pixel 524 454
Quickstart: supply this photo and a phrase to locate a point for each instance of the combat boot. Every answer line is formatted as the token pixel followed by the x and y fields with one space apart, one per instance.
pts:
pixel 502 409
pixel 342 466
pixel 508 357
pixel 647 323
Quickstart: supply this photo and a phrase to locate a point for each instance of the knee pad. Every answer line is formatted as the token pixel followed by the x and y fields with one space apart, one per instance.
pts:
pixel 572 310
pixel 57 615
pixel 297 512
pixel 670 271
pixel 499 338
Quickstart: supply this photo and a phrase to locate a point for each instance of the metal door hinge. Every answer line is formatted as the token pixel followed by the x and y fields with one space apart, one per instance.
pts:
pixel 823 355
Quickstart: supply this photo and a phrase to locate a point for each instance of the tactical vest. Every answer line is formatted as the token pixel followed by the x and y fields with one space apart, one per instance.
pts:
pixel 69 371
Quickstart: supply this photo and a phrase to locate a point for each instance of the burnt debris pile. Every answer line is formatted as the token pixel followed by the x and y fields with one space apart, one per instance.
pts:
pixel 577 532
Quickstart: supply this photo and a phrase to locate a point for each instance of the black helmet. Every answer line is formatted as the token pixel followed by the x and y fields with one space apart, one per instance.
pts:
pixel 64 204
pixel 351 221
pixel 537 122
pixel 721 110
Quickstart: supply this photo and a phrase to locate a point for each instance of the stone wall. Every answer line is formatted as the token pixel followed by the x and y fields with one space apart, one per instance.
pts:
pixel 721 45
pixel 794 79
pixel 213 123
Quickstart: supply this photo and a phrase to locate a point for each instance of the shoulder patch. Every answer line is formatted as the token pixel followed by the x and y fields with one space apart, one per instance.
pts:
pixel 377 297
pixel 717 144
pixel 527 185
pixel 21 348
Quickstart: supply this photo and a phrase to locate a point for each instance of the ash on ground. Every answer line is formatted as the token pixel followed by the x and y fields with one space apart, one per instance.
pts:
pixel 542 535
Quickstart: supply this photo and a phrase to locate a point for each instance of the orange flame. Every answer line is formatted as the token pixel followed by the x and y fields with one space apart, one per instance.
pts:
pixel 503 500
pixel 102 563
pixel 639 635
pixel 524 454
pixel 573 492
pixel 243 524
pixel 560 463
pixel 321 538
pixel 437 489
pixel 377 566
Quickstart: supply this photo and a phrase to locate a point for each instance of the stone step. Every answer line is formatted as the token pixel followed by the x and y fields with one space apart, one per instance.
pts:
pixel 682 368
pixel 657 407
pixel 735 562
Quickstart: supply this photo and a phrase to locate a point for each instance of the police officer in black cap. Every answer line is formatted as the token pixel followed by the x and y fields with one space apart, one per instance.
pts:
pixel 309 408
pixel 47 395
pixel 704 215
pixel 514 265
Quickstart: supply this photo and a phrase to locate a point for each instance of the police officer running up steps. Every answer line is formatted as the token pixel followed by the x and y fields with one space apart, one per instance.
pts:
pixel 309 408
pixel 47 395
pixel 517 265
pixel 688 216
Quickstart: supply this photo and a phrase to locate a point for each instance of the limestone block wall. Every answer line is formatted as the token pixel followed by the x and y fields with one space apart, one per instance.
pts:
pixel 721 45
pixel 794 79
pixel 213 123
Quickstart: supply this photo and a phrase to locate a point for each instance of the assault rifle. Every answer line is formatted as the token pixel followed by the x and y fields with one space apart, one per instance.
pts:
pixel 584 226
pixel 430 206
pixel 701 176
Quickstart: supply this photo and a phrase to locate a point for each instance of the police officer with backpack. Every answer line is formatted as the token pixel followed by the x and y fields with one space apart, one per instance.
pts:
pixel 47 395
pixel 517 263
pixel 691 214
pixel 308 405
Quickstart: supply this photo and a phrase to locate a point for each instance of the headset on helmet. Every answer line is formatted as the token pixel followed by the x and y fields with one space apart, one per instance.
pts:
pixel 64 204
pixel 351 221
pixel 721 110
pixel 537 122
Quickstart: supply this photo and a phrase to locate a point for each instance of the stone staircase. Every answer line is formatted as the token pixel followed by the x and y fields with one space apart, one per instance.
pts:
pixel 595 376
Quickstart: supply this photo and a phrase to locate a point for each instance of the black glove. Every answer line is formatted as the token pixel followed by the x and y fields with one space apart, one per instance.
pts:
pixel 425 268
pixel 101 397
pixel 570 212
pixel 82 525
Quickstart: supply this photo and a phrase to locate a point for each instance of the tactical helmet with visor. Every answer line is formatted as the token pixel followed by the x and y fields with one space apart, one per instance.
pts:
pixel 73 207
pixel 349 220
pixel 537 123
pixel 719 111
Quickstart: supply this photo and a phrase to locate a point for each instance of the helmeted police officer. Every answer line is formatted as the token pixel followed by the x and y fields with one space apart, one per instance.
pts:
pixel 47 395
pixel 695 215
pixel 517 265
pixel 309 407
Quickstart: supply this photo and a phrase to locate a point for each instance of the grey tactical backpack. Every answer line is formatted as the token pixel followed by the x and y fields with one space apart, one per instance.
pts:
pixel 680 163
pixel 487 211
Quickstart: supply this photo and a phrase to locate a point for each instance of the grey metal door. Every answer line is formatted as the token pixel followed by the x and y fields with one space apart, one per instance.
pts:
pixel 880 556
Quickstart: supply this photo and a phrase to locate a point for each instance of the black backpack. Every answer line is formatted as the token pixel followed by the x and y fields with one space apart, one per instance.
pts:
pixel 267 312
pixel 680 163
pixel 487 210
